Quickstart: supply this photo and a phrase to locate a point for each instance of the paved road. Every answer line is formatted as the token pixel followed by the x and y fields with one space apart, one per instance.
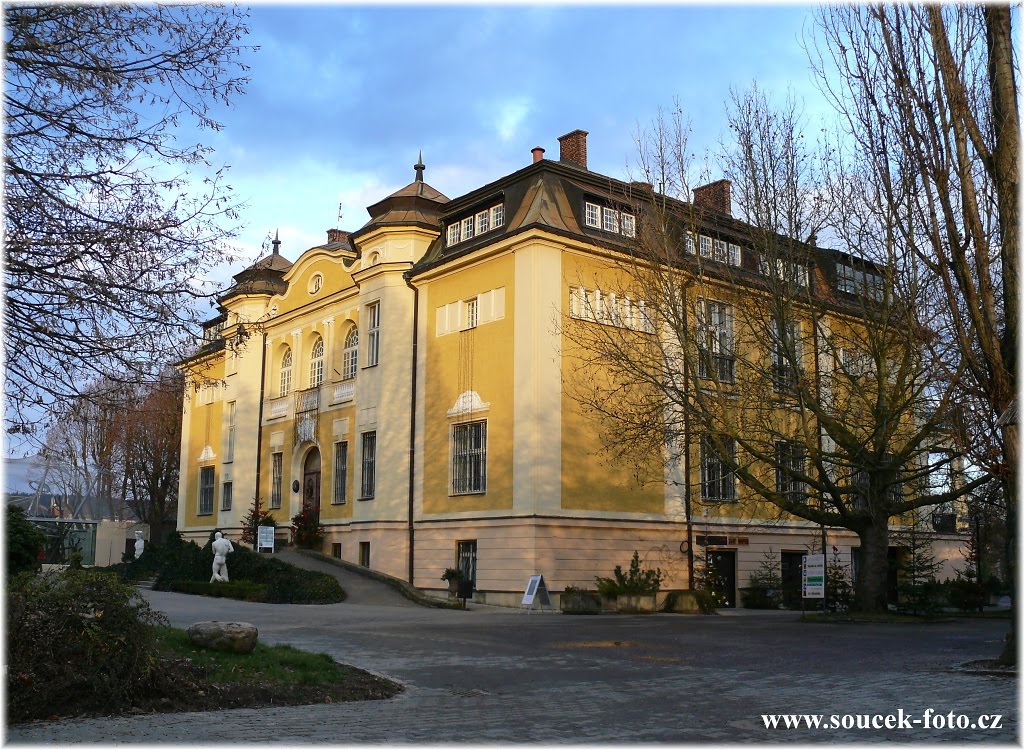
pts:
pixel 490 675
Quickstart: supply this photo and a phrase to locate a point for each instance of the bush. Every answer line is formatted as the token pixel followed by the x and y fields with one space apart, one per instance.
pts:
pixel 182 566
pixel 304 587
pixel 637 582
pixel 257 517
pixel 577 601
pixel 179 561
pixel 244 590
pixel 309 534
pixel 762 593
pixel 707 601
pixel 23 540
pixel 78 640
pixel 966 595
pixel 764 589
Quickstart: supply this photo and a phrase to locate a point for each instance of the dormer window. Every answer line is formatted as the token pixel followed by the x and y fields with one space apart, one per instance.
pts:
pixel 476 224
pixel 609 219
pixel 859 281
pixel 787 271
pixel 717 250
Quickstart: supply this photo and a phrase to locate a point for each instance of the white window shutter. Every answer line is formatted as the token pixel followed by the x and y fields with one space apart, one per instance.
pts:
pixel 498 311
pixel 442 320
pixel 484 305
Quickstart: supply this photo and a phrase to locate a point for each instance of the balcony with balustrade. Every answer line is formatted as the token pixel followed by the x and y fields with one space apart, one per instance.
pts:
pixel 307 414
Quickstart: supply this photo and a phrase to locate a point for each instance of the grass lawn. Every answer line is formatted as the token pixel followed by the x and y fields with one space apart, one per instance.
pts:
pixel 198 679
pixel 280 665
pixel 269 676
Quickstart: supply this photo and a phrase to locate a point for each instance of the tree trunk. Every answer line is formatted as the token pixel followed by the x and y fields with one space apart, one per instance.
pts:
pixel 1011 452
pixel 873 571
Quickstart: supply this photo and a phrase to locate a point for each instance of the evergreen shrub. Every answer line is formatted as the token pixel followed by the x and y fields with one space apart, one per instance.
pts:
pixel 637 582
pixel 80 639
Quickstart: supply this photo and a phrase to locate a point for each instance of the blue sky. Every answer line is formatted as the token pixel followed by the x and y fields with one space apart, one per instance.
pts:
pixel 343 97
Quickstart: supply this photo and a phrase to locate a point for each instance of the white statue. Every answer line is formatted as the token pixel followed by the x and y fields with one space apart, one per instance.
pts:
pixel 221 548
pixel 140 544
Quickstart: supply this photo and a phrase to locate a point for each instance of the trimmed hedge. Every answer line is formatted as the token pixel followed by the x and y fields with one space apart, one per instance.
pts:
pixel 179 562
pixel 244 590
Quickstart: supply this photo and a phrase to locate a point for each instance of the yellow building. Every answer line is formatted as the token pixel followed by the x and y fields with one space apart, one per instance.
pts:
pixel 409 382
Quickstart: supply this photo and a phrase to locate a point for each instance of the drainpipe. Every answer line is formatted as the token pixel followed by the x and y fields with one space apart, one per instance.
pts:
pixel 412 424
pixel 686 443
pixel 824 533
pixel 259 423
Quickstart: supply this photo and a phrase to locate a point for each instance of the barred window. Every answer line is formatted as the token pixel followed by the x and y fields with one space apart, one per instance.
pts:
pixel 206 490
pixel 714 341
pixel 225 496
pixel 717 478
pixel 789 461
pixel 469 458
pixel 785 356
pixel 338 497
pixel 368 485
pixel 277 478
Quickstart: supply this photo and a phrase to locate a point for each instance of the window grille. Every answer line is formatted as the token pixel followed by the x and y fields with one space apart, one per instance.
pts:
pixel 469 458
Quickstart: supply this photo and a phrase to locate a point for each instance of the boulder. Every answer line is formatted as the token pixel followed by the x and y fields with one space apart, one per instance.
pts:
pixel 236 637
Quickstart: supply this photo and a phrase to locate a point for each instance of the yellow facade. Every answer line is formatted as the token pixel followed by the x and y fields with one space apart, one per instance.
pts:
pixel 424 356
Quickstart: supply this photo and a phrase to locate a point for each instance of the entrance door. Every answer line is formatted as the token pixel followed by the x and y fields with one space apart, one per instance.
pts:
pixel 792 580
pixel 311 484
pixel 722 567
pixel 467 562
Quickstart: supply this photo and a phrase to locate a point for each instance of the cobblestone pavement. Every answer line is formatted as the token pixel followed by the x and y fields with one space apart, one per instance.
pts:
pixel 490 675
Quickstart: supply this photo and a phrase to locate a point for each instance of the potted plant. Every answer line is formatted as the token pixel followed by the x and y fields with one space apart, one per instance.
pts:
pixel 453 576
pixel 577 601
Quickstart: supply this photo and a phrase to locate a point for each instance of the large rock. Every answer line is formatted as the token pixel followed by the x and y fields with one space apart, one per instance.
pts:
pixel 236 637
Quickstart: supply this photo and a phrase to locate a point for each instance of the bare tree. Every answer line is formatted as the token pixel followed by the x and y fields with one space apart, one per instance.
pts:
pixel 85 448
pixel 928 97
pixel 793 370
pixel 111 218
pixel 152 443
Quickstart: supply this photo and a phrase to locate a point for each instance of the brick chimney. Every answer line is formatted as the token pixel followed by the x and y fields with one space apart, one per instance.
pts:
pixel 717 196
pixel 538 154
pixel 574 148
pixel 337 235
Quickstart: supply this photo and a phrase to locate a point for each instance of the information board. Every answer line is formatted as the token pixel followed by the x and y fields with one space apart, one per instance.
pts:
pixel 536 589
pixel 813 578
pixel 265 538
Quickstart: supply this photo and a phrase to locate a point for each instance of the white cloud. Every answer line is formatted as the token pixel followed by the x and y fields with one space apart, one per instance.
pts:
pixel 509 116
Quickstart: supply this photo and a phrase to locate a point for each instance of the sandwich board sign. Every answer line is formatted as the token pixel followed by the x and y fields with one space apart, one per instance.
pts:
pixel 813 576
pixel 536 589
pixel 265 538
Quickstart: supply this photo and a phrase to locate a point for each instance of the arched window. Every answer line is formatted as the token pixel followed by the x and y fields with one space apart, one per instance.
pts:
pixel 286 373
pixel 350 355
pixel 316 363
